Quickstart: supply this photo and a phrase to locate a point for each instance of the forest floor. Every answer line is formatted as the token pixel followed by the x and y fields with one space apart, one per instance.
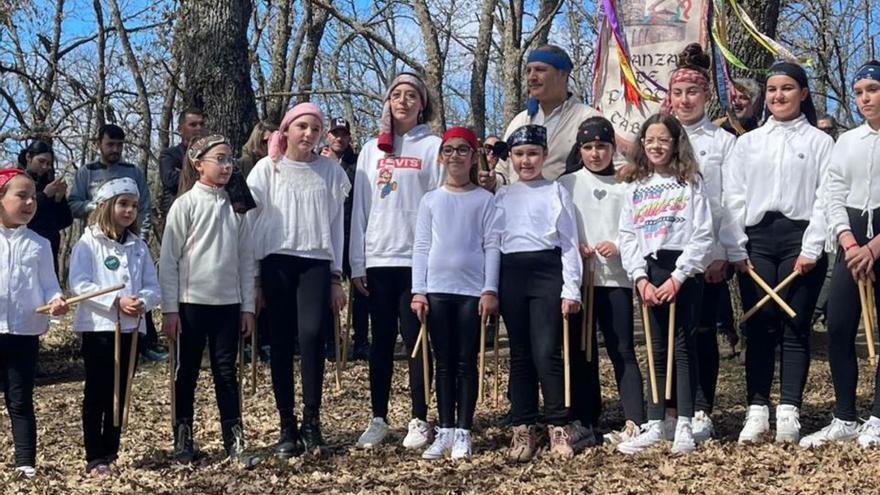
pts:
pixel 720 466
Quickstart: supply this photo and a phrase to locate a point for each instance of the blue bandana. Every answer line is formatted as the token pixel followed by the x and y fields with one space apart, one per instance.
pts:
pixel 556 60
pixel 870 70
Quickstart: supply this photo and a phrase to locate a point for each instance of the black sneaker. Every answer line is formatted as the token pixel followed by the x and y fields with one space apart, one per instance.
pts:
pixel 310 432
pixel 155 353
pixel 265 353
pixel 184 449
pixel 236 449
pixel 289 444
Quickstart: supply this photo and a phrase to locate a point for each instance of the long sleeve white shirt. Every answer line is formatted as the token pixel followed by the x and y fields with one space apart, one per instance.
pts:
pixel 779 167
pixel 597 201
pixel 661 213
pixel 538 215
pixel 207 252
pixel 97 262
pixel 455 249
pixel 853 178
pixel 27 281
pixel 299 209
pixel 387 190
pixel 713 147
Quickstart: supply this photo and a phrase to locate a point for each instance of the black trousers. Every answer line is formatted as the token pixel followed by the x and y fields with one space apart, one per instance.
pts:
pixel 390 297
pixel 687 316
pixel 717 313
pixel 844 316
pixel 531 290
pixel 297 292
pixel 100 437
pixel 454 327
pixel 18 364
pixel 774 245
pixel 219 328
pixel 613 315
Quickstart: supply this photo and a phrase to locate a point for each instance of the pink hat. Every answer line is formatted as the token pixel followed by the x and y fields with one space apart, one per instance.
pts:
pixel 277 141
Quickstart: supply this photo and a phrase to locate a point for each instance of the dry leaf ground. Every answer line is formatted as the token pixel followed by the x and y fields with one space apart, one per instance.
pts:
pixel 721 466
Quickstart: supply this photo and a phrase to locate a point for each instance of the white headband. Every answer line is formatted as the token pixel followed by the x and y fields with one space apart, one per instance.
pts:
pixel 115 187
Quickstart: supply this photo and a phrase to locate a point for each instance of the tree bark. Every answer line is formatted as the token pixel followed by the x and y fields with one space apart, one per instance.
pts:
pixel 765 13
pixel 280 41
pixel 100 82
pixel 315 20
pixel 435 64
pixel 481 67
pixel 215 66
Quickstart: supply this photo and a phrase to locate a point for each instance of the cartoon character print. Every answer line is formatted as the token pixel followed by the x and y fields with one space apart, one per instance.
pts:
pixel 385 183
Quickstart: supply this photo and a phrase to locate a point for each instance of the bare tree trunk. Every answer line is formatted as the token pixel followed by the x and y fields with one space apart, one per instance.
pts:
pixel 765 13
pixel 545 9
pixel 216 72
pixel 316 20
pixel 44 103
pixel 435 64
pixel 100 83
pixel 280 41
pixel 481 67
pixel 510 66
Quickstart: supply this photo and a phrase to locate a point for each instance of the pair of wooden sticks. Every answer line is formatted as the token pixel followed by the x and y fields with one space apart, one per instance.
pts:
pixel 482 365
pixel 670 352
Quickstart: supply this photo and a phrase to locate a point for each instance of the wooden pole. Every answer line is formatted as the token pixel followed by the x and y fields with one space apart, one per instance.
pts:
pixel 83 297
pixel 132 354
pixel 117 358
pixel 763 285
pixel 652 374
pixel 254 356
pixel 482 364
pixel 241 374
pixel 172 365
pixel 764 300
pixel 338 347
pixel 865 297
pixel 670 350
pixel 591 291
pixel 566 361
pixel 424 334
pixel 496 378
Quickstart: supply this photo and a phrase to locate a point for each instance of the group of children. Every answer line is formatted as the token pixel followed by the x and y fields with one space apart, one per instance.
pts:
pixel 430 247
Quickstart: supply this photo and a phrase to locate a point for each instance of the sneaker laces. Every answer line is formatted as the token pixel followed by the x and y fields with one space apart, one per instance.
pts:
pixel 237 439
pixel 793 419
pixel 870 428
pixel 521 436
pixel 560 435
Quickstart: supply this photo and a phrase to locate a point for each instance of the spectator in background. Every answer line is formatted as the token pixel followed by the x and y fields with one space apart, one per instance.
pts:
pixel 256 146
pixel 190 125
pixel 828 125
pixel 745 106
pixel 53 213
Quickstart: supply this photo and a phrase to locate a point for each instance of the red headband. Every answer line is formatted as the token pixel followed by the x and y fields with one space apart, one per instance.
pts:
pixel 463 133
pixel 6 175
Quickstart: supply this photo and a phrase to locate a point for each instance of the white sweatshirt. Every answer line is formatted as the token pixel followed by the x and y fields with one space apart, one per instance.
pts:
pixel 713 147
pixel 779 167
pixel 455 249
pixel 597 201
pixel 98 261
pixel 537 215
pixel 852 179
pixel 27 281
pixel 387 192
pixel 207 253
pixel 661 213
pixel 299 209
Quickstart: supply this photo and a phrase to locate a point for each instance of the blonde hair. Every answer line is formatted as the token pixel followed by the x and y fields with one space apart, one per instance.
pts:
pixel 102 216
pixel 255 145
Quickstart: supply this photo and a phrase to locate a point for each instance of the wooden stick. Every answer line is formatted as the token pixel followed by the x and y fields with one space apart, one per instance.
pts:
pixel 418 344
pixel 764 300
pixel 241 373
pixel 338 347
pixel 495 350
pixel 872 311
pixel 172 365
pixel 762 284
pixel 670 350
pixel 132 353
pixel 652 374
pixel 424 334
pixel 865 295
pixel 347 331
pixel 117 358
pixel 82 297
pixel 482 364
pixel 591 291
pixel 566 361
pixel 254 355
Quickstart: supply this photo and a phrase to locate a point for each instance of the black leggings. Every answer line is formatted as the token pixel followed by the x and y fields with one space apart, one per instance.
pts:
pixel 100 437
pixel 717 313
pixel 774 245
pixel 613 315
pixel 390 297
pixel 297 292
pixel 843 320
pixel 531 290
pixel 18 364
pixel 454 327
pixel 219 327
pixel 687 314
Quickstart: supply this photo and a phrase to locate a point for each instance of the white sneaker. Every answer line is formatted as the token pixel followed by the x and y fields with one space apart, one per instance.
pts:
pixel 788 425
pixel 419 434
pixel 441 446
pixel 669 425
pixel 869 433
pixel 684 437
pixel 652 434
pixel 373 435
pixel 838 431
pixel 702 427
pixel 630 430
pixel 756 424
pixel 26 471
pixel 462 446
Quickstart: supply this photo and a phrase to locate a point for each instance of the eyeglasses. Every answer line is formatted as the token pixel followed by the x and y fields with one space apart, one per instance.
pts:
pixel 222 160
pixel 460 151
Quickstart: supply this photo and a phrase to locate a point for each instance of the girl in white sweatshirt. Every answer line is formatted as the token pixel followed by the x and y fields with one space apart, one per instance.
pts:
pixel 110 252
pixel 28 278
pixel 455 284
pixel 298 230
pixel 394 172
pixel 665 238
pixel 598 193
pixel 206 270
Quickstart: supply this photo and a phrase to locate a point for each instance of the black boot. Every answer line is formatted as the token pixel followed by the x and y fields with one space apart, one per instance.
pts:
pixel 289 444
pixel 310 432
pixel 184 449
pixel 233 440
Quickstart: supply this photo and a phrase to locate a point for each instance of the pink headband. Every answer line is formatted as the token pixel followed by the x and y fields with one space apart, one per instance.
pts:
pixel 277 141
pixel 683 74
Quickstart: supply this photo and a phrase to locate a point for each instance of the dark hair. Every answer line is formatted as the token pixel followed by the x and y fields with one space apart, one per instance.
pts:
pixel 693 57
pixel 37 147
pixel 112 131
pixel 684 163
pixel 825 116
pixel 799 76
pixel 181 117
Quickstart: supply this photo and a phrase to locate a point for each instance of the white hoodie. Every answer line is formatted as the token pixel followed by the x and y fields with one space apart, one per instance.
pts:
pixel 387 192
